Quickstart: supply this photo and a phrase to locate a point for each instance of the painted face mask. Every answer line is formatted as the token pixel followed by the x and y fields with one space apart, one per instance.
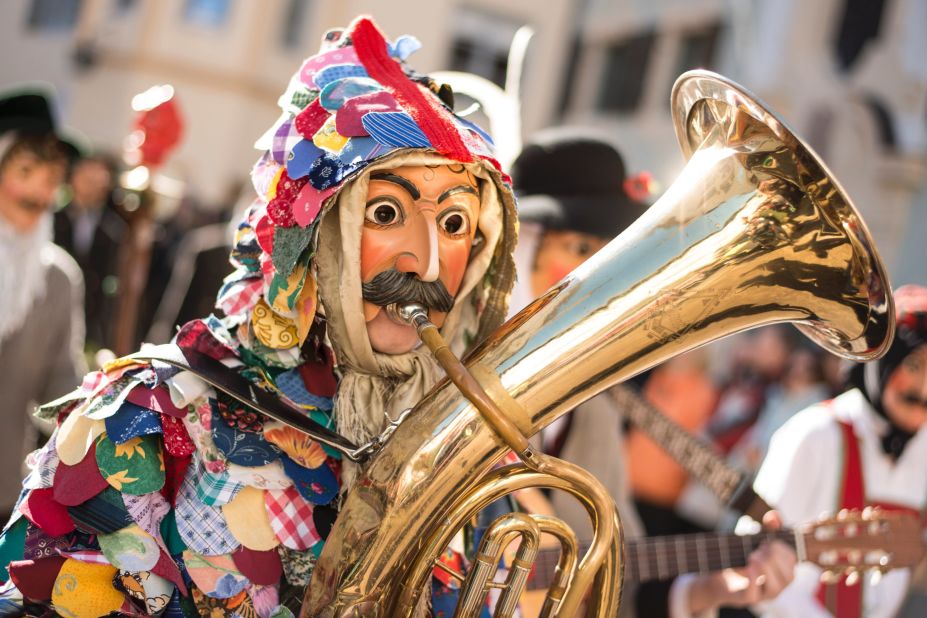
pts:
pixel 369 191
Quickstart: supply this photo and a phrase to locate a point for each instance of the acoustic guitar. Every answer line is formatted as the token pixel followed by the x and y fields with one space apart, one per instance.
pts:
pixel 851 542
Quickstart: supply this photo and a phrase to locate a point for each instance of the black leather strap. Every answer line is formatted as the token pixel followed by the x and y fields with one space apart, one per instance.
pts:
pixel 238 387
pixel 732 486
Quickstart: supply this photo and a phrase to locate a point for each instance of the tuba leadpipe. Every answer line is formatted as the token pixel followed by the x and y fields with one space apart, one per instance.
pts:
pixel 755 231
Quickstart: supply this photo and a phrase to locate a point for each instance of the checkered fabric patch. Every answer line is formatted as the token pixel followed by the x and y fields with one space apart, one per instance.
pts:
pixel 285 137
pixel 291 518
pixel 216 489
pixel 201 526
pixel 240 296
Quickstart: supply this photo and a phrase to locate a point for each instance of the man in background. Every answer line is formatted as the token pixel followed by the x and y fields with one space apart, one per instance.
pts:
pixel 91 230
pixel 41 291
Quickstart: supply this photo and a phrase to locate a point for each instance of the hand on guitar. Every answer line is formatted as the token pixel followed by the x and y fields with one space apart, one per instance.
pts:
pixel 770 568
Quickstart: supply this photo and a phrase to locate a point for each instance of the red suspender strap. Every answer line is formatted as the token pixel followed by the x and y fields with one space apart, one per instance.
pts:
pixel 841 600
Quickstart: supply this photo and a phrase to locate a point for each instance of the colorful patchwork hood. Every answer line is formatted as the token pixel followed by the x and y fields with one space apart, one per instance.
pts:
pixel 158 494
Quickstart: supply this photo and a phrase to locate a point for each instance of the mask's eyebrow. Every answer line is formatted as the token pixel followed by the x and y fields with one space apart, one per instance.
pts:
pixel 456 190
pixel 405 183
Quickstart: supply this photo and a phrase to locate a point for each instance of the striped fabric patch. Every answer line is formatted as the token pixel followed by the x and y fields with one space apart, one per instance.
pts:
pixel 395 129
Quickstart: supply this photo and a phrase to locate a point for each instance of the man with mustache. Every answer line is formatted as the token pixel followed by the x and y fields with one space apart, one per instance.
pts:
pixel 41 291
pixel 370 192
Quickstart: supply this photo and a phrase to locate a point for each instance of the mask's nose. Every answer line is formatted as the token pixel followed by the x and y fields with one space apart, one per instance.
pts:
pixel 421 254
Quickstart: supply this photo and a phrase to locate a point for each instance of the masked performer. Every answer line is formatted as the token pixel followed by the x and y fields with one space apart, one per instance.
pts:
pixel 160 494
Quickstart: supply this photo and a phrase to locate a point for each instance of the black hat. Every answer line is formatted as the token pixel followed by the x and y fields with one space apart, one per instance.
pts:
pixel 29 111
pixel 570 180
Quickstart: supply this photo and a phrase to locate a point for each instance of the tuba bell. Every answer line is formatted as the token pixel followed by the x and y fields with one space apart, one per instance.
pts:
pixel 754 232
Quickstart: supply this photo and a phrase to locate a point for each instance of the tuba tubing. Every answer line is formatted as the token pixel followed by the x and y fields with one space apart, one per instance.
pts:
pixel 755 231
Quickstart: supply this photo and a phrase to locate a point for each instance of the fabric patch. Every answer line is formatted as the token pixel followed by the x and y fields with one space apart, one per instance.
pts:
pixel 311 119
pixel 201 527
pixel 244 448
pixel 134 467
pixel 170 535
pixel 130 421
pixel 360 150
pixel 326 171
pixel 238 297
pixel 186 388
pixel 198 423
pixel 301 157
pixel 215 576
pixel 36 578
pixel 271 329
pixel 289 244
pixel 76 484
pixel 297 565
pixel 148 511
pixel 157 399
pixel 168 568
pixel 85 590
pixel 247 519
pixel 285 138
pixel 291 518
pixel 319 377
pixel 348 118
pixel 342 55
pixel 270 476
pixel 40 545
pixel 324 516
pixel 284 292
pixel 327 137
pixel 102 514
pixel 12 546
pixel 261 567
pixel 175 469
pixel 298 446
pixel 75 436
pixel 292 384
pixel 130 549
pixel 43 511
pixel 43 465
pixel 308 204
pixel 237 415
pixel 239 606
pixel 335 93
pixel 217 489
pixel 317 485
pixel 306 305
pixel 108 402
pixel 177 441
pixel 151 591
pixel 334 72
pixel 395 129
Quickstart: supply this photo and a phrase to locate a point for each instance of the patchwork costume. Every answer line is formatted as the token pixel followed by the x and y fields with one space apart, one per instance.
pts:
pixel 162 494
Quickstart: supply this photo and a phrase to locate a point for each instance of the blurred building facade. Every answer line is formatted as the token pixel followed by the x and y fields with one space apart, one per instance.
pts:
pixel 847 75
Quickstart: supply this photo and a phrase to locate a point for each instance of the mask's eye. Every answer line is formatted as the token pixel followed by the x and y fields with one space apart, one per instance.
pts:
pixel 454 222
pixel 383 212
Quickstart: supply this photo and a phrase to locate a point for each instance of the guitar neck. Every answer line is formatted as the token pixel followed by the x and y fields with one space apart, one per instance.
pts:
pixel 665 557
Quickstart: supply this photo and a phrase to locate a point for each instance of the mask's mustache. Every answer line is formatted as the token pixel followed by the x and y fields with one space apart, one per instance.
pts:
pixel 392 286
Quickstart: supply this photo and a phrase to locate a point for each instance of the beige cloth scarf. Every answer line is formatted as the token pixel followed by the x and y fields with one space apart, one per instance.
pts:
pixel 374 385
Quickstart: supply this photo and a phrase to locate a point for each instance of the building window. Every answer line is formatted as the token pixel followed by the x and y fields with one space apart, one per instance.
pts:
pixel 697 49
pixel 481 44
pixel 859 25
pixel 625 71
pixel 209 13
pixel 294 24
pixel 54 14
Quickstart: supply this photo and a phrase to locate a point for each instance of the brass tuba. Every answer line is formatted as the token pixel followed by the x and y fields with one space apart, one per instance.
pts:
pixel 755 231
